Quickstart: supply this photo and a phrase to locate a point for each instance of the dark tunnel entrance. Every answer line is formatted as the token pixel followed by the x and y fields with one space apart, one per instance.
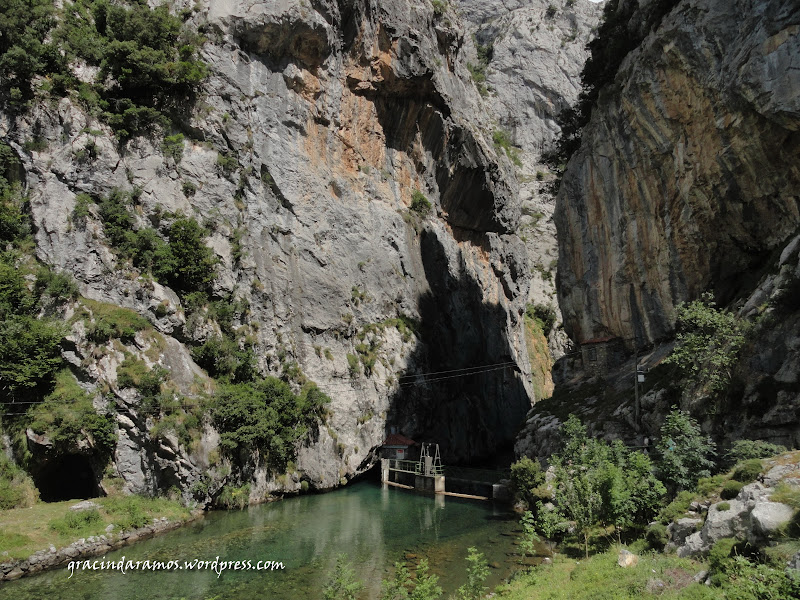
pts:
pixel 67 477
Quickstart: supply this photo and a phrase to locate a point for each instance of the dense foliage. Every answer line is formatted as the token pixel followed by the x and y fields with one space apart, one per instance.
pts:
pixel 146 59
pixel 182 261
pixel 267 418
pixel 685 454
pixel 708 344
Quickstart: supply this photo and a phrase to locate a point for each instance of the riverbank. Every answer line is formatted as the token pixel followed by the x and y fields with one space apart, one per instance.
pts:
pixel 50 534
pixel 665 576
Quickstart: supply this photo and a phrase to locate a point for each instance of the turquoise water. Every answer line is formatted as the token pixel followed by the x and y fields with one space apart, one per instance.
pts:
pixel 374 526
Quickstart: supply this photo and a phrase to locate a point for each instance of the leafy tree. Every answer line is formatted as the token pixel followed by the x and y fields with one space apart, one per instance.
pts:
pixel 529 536
pixel 548 522
pixel 192 265
pixel 30 351
pixel 684 453
pixel 708 343
pixel 342 583
pixel 477 572
pixel 526 476
pixel 266 417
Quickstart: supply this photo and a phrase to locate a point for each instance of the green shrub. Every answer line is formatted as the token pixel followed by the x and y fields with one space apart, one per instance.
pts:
pixel 189 189
pixel 743 450
pixel 720 552
pixel 227 163
pixel 708 486
pixel 223 359
pixel 502 141
pixel 266 417
pixel 684 453
pixel 67 416
pixel 723 506
pixel 31 354
pixel 677 508
pixel 544 314
pixel 172 146
pixel 76 521
pixel 419 203
pixel 439 7
pixel 16 487
pixel 708 343
pixel 477 572
pixel 234 496
pixel 748 471
pixel 59 287
pixel 110 321
pixel 657 536
pixel 342 583
pixel 731 489
pixel 526 476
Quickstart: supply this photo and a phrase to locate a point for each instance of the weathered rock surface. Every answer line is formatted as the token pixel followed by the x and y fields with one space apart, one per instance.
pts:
pixel 688 173
pixel 333 113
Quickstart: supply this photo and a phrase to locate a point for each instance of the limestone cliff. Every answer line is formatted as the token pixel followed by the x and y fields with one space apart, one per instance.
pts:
pixel 317 124
pixel 687 175
pixel 687 180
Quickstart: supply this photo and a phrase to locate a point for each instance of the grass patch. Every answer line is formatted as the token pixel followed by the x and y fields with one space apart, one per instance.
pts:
pixel 599 577
pixel 28 530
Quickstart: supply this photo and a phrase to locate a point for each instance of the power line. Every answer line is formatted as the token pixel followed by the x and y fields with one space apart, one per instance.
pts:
pixel 419 379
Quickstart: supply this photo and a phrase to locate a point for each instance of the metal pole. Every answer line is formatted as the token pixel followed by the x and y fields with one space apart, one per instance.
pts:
pixel 636 410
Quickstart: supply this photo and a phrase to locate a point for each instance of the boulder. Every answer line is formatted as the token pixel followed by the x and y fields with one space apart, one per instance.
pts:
pixel 768 517
pixel 627 559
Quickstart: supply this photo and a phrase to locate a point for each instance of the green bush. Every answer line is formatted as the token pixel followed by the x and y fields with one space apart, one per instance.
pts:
pixel 723 506
pixel 502 141
pixel 526 476
pixel 743 450
pixel 342 583
pixel 748 471
pixel 234 496
pixel 16 487
pixel 266 417
pixel 110 321
pixel 419 203
pixel 657 536
pixel 719 554
pixel 544 314
pixel 731 489
pixel 76 521
pixel 67 417
pixel 31 354
pixel 677 508
pixel 708 344
pixel 172 146
pixel 684 453
pixel 223 359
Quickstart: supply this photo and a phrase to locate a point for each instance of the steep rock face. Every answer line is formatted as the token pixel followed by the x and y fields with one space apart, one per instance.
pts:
pixel 333 114
pixel 532 54
pixel 688 174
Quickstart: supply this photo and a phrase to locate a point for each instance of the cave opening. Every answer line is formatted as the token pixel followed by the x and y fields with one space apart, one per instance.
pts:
pixel 67 477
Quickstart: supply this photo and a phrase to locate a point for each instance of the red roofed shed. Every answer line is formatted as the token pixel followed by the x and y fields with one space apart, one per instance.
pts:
pixel 398 446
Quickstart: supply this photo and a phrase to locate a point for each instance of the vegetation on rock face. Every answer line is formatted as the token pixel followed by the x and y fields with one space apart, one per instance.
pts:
pixel 266 417
pixel 708 344
pixel 67 417
pixel 146 59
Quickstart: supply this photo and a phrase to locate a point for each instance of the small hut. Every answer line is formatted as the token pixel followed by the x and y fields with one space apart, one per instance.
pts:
pixel 600 355
pixel 399 447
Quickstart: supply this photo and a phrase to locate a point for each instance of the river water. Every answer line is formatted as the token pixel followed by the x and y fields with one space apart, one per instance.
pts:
pixel 374 525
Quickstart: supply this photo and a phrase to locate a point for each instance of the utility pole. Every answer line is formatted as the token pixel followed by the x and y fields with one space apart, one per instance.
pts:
pixel 636 409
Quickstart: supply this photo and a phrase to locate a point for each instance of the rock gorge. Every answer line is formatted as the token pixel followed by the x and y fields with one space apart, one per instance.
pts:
pixel 317 126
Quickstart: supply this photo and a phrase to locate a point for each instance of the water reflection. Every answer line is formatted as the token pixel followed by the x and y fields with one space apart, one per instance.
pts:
pixel 374 526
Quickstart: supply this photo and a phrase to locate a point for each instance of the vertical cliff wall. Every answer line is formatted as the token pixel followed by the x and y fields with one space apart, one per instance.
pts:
pixel 317 127
pixel 688 174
